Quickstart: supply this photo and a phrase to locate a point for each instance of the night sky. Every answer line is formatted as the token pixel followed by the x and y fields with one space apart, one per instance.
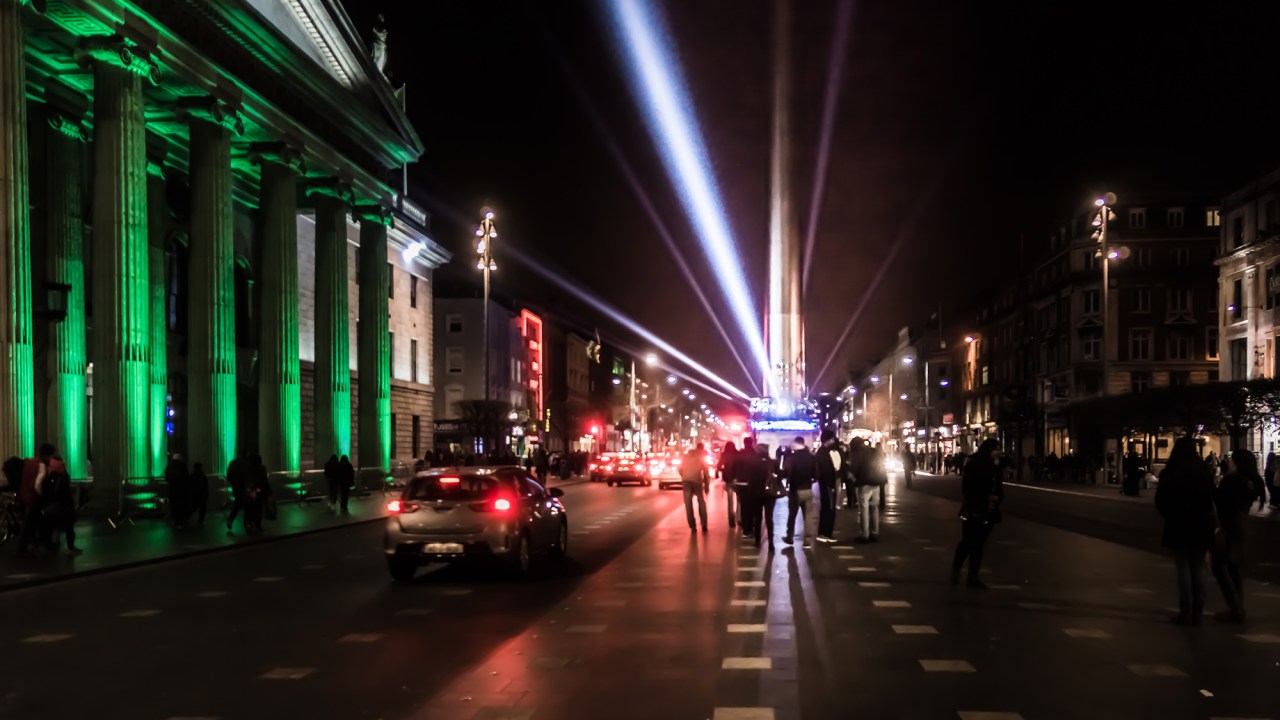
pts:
pixel 962 129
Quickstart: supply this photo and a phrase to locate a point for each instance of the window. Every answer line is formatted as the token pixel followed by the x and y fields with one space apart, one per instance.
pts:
pixel 986 374
pixel 1180 300
pixel 1212 217
pixel 1140 344
pixel 1179 347
pixel 391 280
pixel 1092 302
pixel 1182 257
pixel 413 365
pixel 1144 257
pixel 1090 258
pixel 416 429
pixel 1138 218
pixel 453 360
pixel 391 353
pixel 1139 381
pixel 1091 346
pixel 1239 350
pixel 1237 300
pixel 1211 344
pixel 1174 217
pixel 1142 300
pixel 453 323
pixel 1237 232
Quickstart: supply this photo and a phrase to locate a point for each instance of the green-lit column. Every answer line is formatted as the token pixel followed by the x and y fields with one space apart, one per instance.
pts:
pixel 157 216
pixel 374 351
pixel 279 374
pixel 211 342
pixel 121 281
pixel 333 339
pixel 68 403
pixel 17 390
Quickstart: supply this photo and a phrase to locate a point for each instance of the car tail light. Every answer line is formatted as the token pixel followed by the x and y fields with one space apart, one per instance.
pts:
pixel 502 504
pixel 450 480
pixel 593 466
pixel 400 507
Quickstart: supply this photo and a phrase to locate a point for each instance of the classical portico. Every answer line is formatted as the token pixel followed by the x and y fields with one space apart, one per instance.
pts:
pixel 170 315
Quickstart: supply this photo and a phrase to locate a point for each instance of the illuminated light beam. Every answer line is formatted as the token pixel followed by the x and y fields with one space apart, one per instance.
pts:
pixel 654 217
pixel 830 103
pixel 664 102
pixel 624 320
pixel 906 231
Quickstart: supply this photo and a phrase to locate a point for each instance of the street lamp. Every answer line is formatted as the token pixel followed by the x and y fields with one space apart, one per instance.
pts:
pixel 1101 218
pixel 487 234
pixel 651 360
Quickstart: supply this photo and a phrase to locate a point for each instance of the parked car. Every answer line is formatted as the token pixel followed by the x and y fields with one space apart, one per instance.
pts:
pixel 492 514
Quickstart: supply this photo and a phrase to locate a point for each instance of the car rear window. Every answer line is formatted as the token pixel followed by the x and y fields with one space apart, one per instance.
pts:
pixel 459 488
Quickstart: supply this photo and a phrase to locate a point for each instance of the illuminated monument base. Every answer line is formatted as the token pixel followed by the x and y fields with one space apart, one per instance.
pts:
pixel 777 423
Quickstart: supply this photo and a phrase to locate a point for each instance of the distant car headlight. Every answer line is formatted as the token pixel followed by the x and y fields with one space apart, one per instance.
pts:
pixel 892 464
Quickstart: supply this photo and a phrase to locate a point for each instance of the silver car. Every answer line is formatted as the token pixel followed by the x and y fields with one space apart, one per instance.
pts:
pixel 462 514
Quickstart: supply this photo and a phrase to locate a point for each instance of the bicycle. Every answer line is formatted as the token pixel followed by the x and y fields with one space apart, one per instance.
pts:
pixel 10 517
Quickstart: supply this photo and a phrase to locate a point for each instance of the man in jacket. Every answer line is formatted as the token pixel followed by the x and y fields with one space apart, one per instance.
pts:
pixel 751 468
pixel 830 464
pixel 801 471
pixel 695 478
pixel 870 482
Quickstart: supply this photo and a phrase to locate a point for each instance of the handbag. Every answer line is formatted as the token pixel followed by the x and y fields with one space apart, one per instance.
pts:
pixel 774 487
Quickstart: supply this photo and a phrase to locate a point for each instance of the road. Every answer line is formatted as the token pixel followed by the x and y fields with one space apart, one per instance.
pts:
pixel 646 620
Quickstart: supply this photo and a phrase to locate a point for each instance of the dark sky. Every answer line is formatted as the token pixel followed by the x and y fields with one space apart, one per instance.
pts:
pixel 962 127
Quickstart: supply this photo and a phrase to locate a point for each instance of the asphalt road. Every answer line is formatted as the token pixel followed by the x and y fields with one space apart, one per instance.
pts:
pixel 647 620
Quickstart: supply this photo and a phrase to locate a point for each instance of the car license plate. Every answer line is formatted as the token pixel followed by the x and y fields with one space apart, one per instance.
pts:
pixel 442 548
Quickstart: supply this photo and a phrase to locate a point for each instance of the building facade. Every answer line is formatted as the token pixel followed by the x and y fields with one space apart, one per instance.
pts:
pixel 199 242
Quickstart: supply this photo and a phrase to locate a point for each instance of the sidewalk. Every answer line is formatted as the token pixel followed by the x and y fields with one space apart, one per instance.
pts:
pixel 154 540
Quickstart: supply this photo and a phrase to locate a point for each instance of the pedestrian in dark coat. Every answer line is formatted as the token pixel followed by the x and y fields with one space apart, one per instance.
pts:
pixel 982 488
pixel 1232 499
pixel 332 473
pixel 801 470
pixel 347 478
pixel 752 468
pixel 59 504
pixel 830 467
pixel 727 474
pixel 198 489
pixel 1184 498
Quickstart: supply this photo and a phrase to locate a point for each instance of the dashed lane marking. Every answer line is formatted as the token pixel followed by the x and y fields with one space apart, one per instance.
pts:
pixel 861 569
pixel 746 663
pixel 873 584
pixel 748 603
pixel 747 627
pixel 891 603
pixel 48 638
pixel 749 583
pixel 915 629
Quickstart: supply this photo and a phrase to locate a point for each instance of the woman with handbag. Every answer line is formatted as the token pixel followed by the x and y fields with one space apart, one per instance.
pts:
pixel 1232 500
pixel 1184 498
pixel 983 492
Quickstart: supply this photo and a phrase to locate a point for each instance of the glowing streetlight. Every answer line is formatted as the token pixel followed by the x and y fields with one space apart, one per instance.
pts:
pixel 651 360
pixel 487 232
pixel 908 360
pixel 671 379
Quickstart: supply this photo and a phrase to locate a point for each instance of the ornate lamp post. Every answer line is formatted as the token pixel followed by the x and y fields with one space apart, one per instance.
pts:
pixel 486 235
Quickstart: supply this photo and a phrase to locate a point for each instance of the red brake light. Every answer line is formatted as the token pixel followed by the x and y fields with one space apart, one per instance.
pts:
pixel 450 480
pixel 398 506
pixel 394 506
pixel 502 504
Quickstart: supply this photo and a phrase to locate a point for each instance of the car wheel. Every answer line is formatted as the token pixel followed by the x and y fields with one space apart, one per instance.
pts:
pixel 401 570
pixel 561 548
pixel 520 559
pixel 609 483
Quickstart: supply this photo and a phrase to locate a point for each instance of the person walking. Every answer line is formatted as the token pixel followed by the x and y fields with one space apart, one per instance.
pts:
pixel 198 489
pixel 752 468
pixel 237 481
pixel 59 505
pixel 908 467
pixel 727 475
pixel 1269 479
pixel 332 472
pixel 1184 498
pixel 1232 499
pixel 983 492
pixel 830 465
pixel 695 479
pixel 857 450
pixel 869 482
pixel 541 464
pixel 801 472
pixel 346 482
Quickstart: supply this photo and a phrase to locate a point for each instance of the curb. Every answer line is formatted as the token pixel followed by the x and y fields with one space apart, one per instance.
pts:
pixel 89 572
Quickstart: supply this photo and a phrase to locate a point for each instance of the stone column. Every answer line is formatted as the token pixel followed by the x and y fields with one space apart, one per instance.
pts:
pixel 211 341
pixel 121 287
pixel 17 401
pixel 279 381
pixel 158 405
pixel 373 340
pixel 333 339
pixel 68 359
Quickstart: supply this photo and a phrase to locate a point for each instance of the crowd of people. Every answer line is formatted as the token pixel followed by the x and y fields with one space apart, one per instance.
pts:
pixel 45 500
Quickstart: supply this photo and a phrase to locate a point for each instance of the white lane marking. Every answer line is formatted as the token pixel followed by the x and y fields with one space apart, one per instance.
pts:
pixel 1262 639
pixel 585 629
pixel 1088 633
pixel 891 603
pixel 862 569
pixel 873 584
pixel 361 638
pixel 946 666
pixel 749 583
pixel 139 614
pixel 915 629
pixel 746 663
pixel 748 603
pixel 848 557
pixel 742 713
pixel 1156 671
pixel 48 638
pixel 286 673
pixel 747 627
